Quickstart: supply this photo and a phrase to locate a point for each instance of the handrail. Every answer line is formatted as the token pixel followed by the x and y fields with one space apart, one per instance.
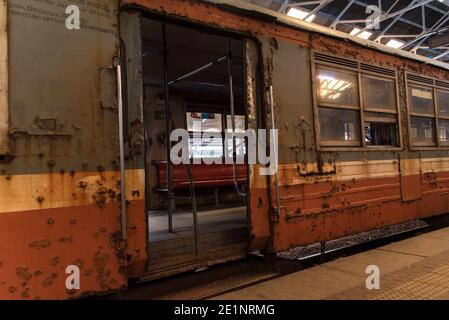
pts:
pixel 276 176
pixel 234 166
pixel 122 149
pixel 194 208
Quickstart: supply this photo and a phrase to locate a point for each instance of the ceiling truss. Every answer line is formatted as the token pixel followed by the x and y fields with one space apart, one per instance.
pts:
pixel 394 13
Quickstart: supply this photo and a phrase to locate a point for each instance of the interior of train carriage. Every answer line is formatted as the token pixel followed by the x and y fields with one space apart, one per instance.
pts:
pixel 203 219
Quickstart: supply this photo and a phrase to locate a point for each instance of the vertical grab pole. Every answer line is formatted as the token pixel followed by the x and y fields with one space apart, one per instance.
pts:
pixel 167 132
pixel 276 177
pixel 122 149
pixel 231 90
pixel 4 101
pixel 194 209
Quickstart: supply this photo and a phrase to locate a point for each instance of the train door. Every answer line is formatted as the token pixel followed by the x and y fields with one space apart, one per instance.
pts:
pixel 193 82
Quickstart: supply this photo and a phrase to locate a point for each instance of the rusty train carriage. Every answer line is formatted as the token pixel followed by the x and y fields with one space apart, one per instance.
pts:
pixel 59 139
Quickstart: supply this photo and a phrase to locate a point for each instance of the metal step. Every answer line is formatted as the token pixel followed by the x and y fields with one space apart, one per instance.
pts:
pixel 178 255
pixel 222 286
pixel 204 283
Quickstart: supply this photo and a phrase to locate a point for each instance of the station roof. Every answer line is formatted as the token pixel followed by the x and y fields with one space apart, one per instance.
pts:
pixel 409 23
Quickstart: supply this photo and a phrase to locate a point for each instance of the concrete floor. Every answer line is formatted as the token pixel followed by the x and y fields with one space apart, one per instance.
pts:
pixel 415 268
pixel 209 221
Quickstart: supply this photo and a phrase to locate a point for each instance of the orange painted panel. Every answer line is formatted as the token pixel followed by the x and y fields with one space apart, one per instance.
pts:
pixel 328 210
pixel 36 247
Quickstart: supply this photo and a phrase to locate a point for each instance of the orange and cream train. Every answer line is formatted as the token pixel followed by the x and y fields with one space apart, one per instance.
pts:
pixel 363 136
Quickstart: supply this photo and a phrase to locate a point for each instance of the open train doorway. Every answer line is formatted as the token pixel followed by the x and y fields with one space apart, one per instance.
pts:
pixel 197 212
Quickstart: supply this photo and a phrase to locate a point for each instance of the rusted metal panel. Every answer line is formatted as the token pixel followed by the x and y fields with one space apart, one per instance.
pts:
pixel 258 185
pixel 4 104
pixel 58 201
pixel 410 177
pixel 325 194
pixel 131 34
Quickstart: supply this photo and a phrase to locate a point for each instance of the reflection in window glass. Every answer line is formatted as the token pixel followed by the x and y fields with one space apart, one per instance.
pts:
pixel 443 130
pixel 239 123
pixel 204 122
pixel 206 148
pixel 421 100
pixel 240 147
pixel 443 103
pixel 339 124
pixel 379 94
pixel 337 87
pixel 422 129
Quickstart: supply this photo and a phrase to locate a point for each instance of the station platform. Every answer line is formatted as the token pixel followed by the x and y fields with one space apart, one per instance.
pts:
pixel 416 268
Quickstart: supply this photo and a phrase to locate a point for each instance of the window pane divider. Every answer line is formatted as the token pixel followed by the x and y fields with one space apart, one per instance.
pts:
pixel 380 110
pixel 337 106
pixel 373 75
pixel 422 115
pixel 362 113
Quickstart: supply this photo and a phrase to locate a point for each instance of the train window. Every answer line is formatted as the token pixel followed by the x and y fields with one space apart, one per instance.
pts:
pixel 208 147
pixel 339 125
pixel 422 130
pixel 356 114
pixel 442 99
pixel 429 112
pixel 443 131
pixel 204 122
pixel 240 145
pixel 381 129
pixel 379 97
pixel 443 103
pixel 239 123
pixel 339 107
pixel 421 100
pixel 379 93
pixel 337 87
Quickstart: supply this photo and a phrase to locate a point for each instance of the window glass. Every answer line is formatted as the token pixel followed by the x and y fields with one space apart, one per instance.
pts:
pixel 339 124
pixel 206 148
pixel 379 94
pixel 239 123
pixel 240 147
pixel 204 122
pixel 443 130
pixel 422 129
pixel 443 103
pixel 421 100
pixel 337 87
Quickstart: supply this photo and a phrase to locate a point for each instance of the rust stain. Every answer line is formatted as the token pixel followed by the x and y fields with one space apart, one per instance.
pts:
pixel 54 261
pixel 40 244
pixel 23 273
pixel 49 280
pixel 66 239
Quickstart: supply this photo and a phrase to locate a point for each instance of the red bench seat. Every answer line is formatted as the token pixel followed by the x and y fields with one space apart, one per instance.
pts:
pixel 215 175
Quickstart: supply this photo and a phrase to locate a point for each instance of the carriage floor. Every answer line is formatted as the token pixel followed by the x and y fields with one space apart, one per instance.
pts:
pixel 209 221
pixel 223 237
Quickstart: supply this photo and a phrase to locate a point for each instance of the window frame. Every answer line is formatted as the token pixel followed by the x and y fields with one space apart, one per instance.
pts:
pixel 356 145
pixel 434 87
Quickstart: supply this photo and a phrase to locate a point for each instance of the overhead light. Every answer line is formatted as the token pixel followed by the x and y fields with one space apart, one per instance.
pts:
pixel 300 14
pixel 395 43
pixel 364 34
